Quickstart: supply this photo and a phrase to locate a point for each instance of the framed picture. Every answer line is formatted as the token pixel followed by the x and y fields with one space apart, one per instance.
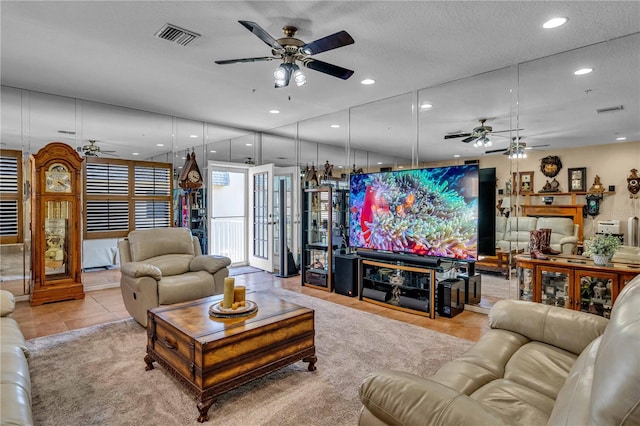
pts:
pixel 577 179
pixel 523 182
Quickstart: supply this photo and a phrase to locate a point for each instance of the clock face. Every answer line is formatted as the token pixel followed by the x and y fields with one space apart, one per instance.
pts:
pixel 58 179
pixel 193 176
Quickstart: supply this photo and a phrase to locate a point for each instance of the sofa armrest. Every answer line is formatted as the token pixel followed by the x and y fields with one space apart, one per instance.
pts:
pixel 568 240
pixel 7 303
pixel 564 328
pixel 141 269
pixel 400 398
pixel 209 263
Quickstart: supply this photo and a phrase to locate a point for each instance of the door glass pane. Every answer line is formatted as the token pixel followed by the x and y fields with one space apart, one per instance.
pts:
pixel 260 214
pixel 56 237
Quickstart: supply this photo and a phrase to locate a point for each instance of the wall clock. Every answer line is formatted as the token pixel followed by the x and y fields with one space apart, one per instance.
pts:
pixel 56 224
pixel 190 177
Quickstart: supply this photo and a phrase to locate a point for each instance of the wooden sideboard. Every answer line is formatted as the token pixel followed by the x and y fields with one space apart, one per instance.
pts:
pixel 573 282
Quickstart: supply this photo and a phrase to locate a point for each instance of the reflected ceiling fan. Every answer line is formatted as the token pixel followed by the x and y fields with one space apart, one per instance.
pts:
pixel 293 51
pixel 479 135
pixel 92 150
pixel 516 149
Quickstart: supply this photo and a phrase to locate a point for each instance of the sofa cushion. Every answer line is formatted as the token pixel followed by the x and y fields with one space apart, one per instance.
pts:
pixel 11 335
pixel 16 405
pixel 519 228
pixel 558 225
pixel 148 243
pixel 501 227
pixel 7 303
pixel 171 264
pixel 14 368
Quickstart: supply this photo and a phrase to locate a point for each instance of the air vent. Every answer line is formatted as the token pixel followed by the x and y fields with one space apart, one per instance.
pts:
pixel 610 109
pixel 176 34
pixel 67 132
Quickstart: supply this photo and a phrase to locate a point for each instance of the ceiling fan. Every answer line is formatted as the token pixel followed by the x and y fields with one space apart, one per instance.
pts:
pixel 292 50
pixel 479 135
pixel 516 149
pixel 92 150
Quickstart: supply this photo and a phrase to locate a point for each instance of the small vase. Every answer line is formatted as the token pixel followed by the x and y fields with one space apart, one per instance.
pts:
pixel 600 259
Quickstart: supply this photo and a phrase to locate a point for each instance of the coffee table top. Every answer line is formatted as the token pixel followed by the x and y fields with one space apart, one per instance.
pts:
pixel 193 319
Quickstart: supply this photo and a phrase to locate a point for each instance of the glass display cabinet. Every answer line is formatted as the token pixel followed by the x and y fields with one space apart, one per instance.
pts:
pixel 573 282
pixel 399 285
pixel 324 233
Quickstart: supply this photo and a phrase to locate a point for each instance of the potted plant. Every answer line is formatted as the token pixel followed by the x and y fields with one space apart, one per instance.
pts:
pixel 601 248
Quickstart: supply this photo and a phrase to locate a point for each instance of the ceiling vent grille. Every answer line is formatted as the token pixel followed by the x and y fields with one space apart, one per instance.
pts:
pixel 610 109
pixel 176 34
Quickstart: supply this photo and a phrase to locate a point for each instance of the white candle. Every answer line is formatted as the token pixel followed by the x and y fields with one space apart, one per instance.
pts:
pixel 227 300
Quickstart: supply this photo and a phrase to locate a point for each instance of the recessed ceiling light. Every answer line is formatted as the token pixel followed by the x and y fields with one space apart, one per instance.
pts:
pixel 583 71
pixel 248 144
pixel 340 167
pixel 368 81
pixel 554 23
pixel 401 167
pixel 274 111
pixel 179 167
pixel 335 126
pixel 184 158
pixel 135 153
pixel 213 152
pixel 159 144
pixel 621 138
pixel 456 156
pixel 426 106
pixel 379 162
pixel 193 136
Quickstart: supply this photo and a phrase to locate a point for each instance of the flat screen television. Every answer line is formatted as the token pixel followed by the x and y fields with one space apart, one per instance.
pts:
pixel 426 212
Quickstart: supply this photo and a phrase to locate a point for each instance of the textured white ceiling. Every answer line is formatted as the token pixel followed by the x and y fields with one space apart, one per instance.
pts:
pixel 105 51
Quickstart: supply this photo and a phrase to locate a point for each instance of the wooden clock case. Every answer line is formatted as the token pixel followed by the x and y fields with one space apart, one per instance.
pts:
pixel 56 200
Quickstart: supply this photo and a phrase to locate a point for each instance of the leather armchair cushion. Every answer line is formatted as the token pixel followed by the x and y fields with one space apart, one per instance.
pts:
pixel 16 405
pixel 11 335
pixel 189 286
pixel 209 263
pixel 14 368
pixel 558 225
pixel 141 269
pixel 171 264
pixel 148 243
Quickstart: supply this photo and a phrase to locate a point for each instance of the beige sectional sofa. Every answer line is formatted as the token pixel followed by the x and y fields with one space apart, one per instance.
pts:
pixel 162 266
pixel 537 365
pixel 513 232
pixel 15 379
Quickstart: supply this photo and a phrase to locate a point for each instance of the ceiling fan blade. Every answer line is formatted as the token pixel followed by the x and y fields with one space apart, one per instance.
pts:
pixel 108 153
pixel 470 139
pixel 234 61
pixel 457 135
pixel 511 130
pixel 327 68
pixel 333 41
pixel 261 34
pixel 496 150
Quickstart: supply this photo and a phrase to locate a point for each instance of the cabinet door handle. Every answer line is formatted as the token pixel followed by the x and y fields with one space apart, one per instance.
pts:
pixel 169 343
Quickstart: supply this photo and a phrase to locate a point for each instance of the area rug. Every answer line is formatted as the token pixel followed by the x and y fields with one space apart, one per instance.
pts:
pixel 239 270
pixel 96 375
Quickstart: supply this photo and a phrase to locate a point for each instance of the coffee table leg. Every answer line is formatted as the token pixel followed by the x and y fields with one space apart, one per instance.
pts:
pixel 312 362
pixel 203 408
pixel 149 360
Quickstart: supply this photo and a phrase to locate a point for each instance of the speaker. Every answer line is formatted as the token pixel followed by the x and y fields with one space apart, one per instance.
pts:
pixel 472 288
pixel 345 276
pixel 450 297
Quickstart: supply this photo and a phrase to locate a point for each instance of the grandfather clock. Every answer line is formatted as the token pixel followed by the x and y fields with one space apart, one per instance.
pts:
pixel 56 224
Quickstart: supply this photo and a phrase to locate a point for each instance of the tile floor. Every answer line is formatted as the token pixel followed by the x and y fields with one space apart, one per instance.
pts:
pixel 105 305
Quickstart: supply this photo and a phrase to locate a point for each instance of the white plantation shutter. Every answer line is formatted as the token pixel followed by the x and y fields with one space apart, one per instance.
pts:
pixel 10 197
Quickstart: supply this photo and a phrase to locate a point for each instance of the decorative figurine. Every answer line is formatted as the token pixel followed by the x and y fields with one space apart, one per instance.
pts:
pixel 328 171
pixel 633 183
pixel 358 171
pixel 597 186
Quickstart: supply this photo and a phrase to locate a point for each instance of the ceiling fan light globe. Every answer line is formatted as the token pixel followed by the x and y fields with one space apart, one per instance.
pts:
pixel 299 77
pixel 487 142
pixel 280 73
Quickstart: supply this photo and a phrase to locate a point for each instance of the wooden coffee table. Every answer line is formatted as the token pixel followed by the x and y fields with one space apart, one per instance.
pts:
pixel 210 355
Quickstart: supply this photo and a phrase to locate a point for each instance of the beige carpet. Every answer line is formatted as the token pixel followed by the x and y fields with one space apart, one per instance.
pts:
pixel 96 376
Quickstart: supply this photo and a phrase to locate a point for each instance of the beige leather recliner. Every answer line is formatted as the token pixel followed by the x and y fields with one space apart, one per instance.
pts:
pixel 537 365
pixel 162 266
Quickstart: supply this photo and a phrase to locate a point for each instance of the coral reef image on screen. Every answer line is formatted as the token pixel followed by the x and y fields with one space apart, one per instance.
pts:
pixel 430 212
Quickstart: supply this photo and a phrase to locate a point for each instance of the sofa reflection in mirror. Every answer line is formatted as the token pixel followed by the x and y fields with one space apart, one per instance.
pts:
pixel 537 365
pixel 514 232
pixel 162 266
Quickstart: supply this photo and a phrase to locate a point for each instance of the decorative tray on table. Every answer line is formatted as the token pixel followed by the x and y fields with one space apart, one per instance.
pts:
pixel 218 311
